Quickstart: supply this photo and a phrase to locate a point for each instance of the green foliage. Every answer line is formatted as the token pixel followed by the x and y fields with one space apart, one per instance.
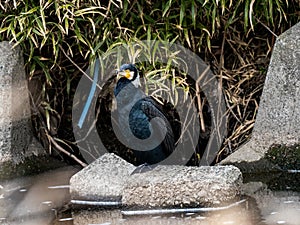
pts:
pixel 227 34
pixel 40 27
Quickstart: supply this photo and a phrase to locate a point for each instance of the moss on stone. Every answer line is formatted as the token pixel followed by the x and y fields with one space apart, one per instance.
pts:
pixel 31 165
pixel 287 157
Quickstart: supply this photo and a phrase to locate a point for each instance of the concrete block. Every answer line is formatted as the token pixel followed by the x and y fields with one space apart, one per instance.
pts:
pixel 278 118
pixel 168 186
pixel 102 180
pixel 17 144
pixel 15 125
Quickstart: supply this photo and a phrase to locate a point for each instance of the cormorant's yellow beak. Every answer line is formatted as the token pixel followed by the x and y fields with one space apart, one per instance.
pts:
pixel 126 73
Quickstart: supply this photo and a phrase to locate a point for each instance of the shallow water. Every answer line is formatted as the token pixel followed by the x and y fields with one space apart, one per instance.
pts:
pixel 44 200
pixel 35 200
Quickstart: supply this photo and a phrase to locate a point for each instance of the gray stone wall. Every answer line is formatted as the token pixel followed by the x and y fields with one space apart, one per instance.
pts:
pixel 278 117
pixel 15 124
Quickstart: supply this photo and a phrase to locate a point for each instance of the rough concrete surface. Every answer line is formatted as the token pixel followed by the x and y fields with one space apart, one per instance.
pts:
pixel 17 144
pixel 278 117
pixel 102 180
pixel 181 185
pixel 15 124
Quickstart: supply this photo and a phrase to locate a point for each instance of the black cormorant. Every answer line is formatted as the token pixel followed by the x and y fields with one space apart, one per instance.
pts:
pixel 137 110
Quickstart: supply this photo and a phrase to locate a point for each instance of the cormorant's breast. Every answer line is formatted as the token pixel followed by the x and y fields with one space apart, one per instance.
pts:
pixel 139 121
pixel 144 109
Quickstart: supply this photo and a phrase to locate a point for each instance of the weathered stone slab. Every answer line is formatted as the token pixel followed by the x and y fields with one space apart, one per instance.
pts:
pixel 104 179
pixel 278 117
pixel 17 143
pixel 183 186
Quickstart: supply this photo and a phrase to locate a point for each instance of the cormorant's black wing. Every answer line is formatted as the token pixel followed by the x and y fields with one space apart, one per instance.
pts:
pixel 152 109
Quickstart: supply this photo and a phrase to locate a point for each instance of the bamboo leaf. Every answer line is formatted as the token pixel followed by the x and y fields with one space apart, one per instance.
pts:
pixel 246 14
pixel 68 85
pixel 55 47
pixel 251 13
pixel 40 26
pixel 31 11
pixel 214 19
pixel 271 11
pixel 193 14
pixel 90 10
pixel 233 17
pixel 31 51
pixel 78 35
pixel 149 33
pixel 4 29
pixel 12 30
pixel 208 42
pixel 187 38
pixel 167 7
pixel 43 20
pixel 66 30
pixel 44 40
pixel 223 5
pixel 93 24
pixel 182 13
pixel 47 119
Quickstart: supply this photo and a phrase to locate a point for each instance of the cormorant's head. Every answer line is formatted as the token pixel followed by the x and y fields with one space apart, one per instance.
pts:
pixel 129 72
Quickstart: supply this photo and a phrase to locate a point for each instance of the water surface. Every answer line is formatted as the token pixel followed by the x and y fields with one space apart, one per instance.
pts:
pixel 43 199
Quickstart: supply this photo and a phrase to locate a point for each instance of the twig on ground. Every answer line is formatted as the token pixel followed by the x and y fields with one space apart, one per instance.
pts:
pixel 50 138
pixel 202 123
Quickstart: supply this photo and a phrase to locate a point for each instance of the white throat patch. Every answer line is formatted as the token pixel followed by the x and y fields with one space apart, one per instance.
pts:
pixel 137 82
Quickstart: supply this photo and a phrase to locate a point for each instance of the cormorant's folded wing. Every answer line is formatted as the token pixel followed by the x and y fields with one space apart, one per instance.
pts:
pixel 152 109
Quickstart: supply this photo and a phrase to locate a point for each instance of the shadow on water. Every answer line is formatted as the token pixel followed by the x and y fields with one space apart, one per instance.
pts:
pixel 281 181
pixel 44 200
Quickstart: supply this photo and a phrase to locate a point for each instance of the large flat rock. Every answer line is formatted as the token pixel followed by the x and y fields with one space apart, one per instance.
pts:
pixel 278 118
pixel 183 186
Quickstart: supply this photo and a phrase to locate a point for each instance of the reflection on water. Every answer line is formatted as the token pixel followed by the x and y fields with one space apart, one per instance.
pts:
pixel 279 207
pixel 30 201
pixel 43 200
pixel 236 215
